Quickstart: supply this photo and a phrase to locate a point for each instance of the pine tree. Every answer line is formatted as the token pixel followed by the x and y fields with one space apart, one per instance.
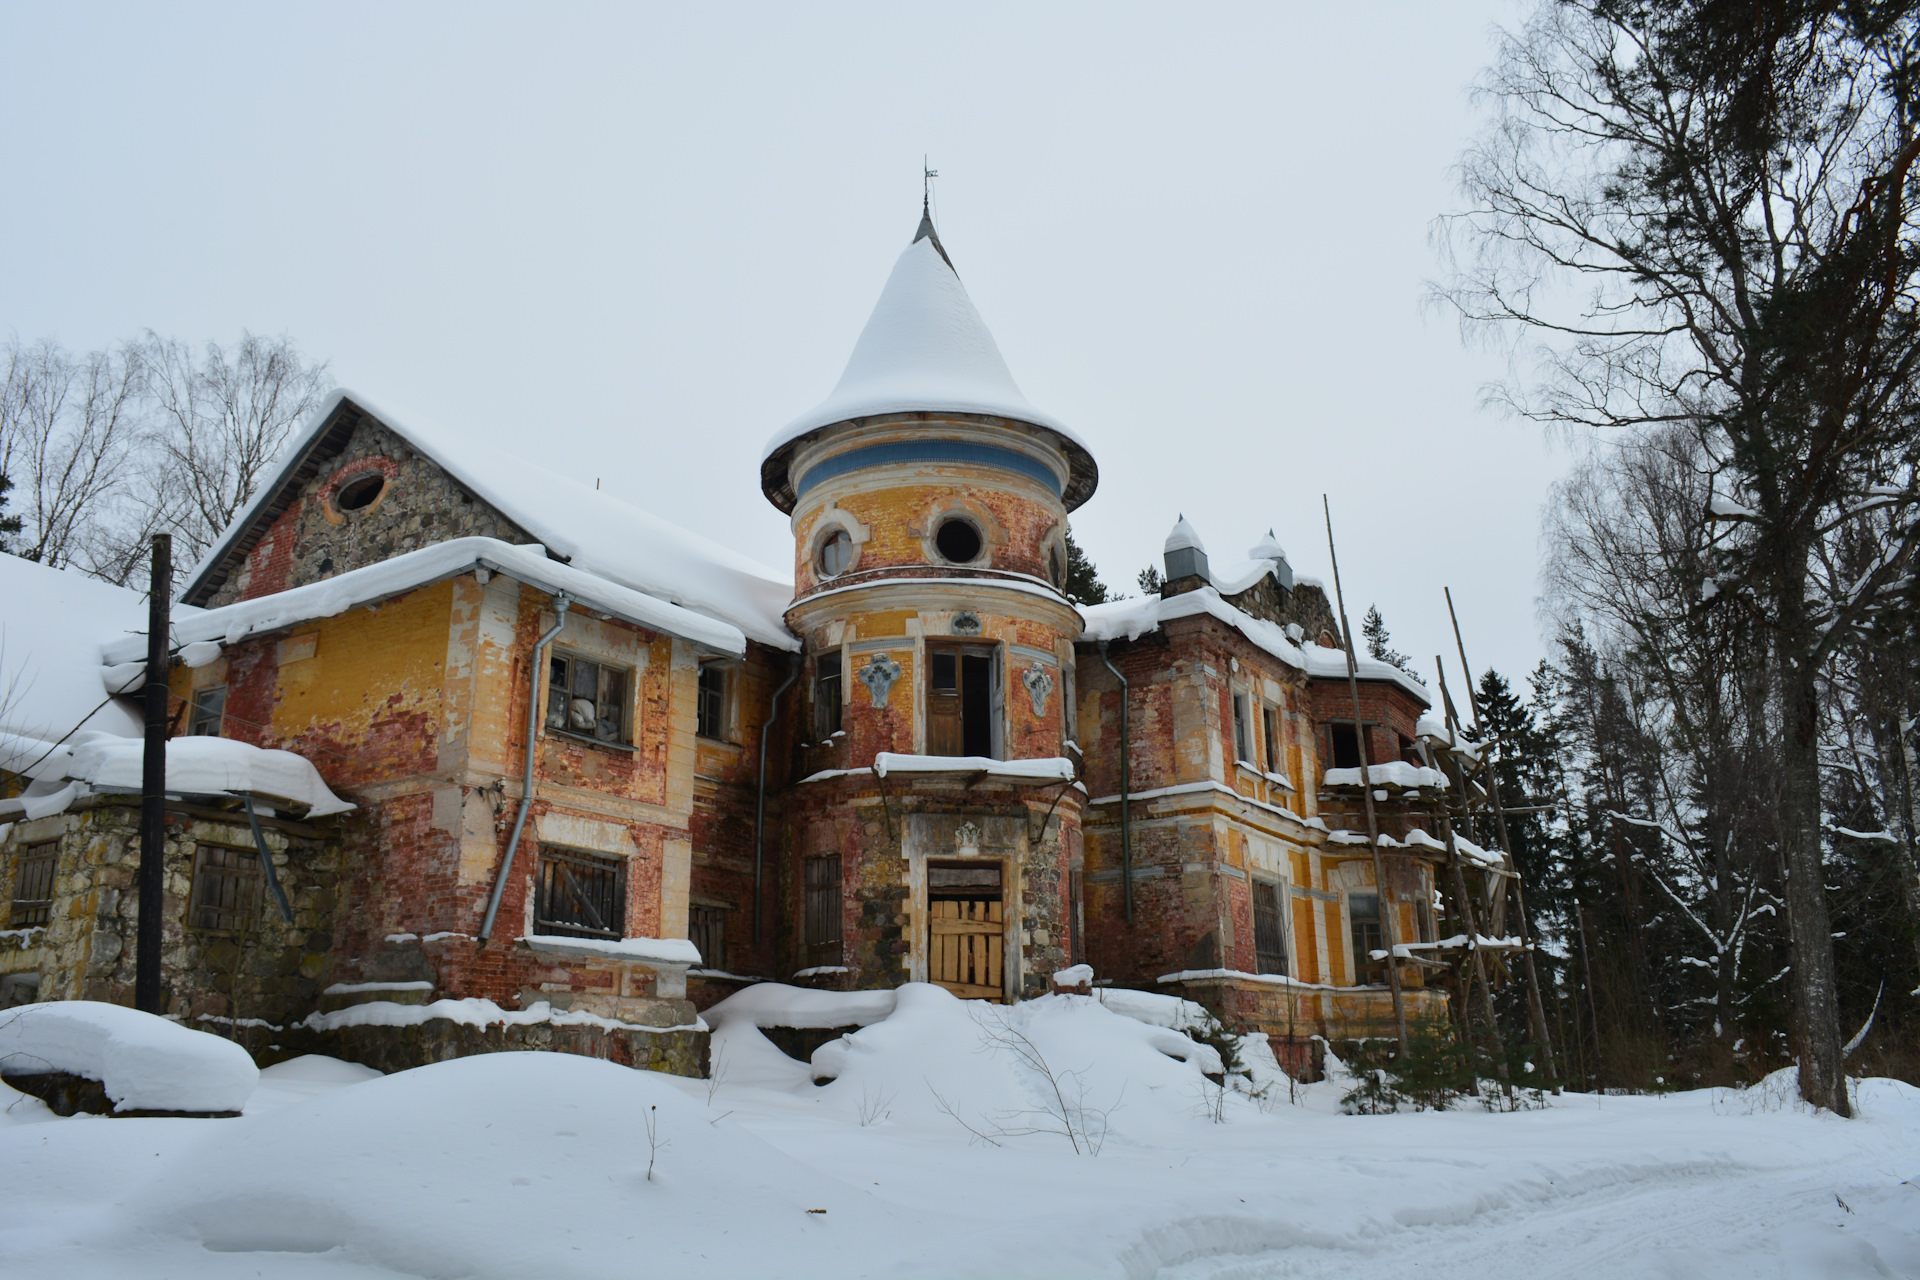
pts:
pixel 1083 580
pixel 1375 630
pixel 1150 581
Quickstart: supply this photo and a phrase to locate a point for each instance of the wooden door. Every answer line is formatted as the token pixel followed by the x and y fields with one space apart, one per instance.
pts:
pixel 966 946
pixel 944 721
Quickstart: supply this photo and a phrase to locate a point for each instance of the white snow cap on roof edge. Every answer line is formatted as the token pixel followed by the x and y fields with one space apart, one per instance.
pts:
pixel 1130 619
pixel 592 530
pixel 924 349
pixel 1184 537
pixel 1268 548
pixel 232 623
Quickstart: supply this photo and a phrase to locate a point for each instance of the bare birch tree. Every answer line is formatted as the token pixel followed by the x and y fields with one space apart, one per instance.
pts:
pixel 69 428
pixel 1699 213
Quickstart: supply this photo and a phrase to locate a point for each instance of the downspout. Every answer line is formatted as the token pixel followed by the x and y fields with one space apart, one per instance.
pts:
pixel 561 603
pixel 1126 774
pixel 760 802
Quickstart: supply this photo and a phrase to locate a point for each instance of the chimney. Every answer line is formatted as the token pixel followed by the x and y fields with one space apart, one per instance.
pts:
pixel 1186 561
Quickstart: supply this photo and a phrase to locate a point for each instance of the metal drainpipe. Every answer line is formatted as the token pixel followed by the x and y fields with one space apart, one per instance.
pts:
pixel 760 803
pixel 1126 773
pixel 561 603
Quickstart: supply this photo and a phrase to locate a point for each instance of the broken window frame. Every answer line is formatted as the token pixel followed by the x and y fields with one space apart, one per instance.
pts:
pixel 1270 725
pixel 1242 726
pixel 579 894
pixel 208 713
pixel 35 870
pixel 227 881
pixel 1337 731
pixel 612 698
pixel 829 685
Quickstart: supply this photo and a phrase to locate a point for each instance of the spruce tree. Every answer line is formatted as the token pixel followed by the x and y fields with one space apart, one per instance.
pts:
pixel 1083 580
pixel 9 525
pixel 1150 581
pixel 1378 641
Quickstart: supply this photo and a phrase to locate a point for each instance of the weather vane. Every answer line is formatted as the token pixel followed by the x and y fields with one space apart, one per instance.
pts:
pixel 927 175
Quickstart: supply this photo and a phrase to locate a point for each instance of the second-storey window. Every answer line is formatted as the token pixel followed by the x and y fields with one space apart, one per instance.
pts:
pixel 1270 721
pixel 711 710
pixel 1242 730
pixel 209 710
pixel 587 698
pixel 828 680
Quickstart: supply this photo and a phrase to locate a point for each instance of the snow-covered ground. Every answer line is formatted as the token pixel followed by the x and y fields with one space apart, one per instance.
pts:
pixel 518 1165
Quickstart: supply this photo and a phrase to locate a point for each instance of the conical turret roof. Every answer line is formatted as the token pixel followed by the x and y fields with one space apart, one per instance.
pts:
pixel 925 348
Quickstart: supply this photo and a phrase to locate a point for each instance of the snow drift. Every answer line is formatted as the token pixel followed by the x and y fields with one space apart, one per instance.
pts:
pixel 145 1062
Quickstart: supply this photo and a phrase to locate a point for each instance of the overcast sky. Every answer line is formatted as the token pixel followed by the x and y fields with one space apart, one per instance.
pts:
pixel 634 242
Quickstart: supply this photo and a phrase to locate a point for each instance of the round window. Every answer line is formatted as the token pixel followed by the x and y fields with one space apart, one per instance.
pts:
pixel 836 553
pixel 360 492
pixel 957 540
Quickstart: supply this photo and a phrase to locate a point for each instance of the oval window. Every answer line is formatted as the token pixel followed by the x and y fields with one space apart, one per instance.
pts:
pixel 836 553
pixel 957 540
pixel 360 492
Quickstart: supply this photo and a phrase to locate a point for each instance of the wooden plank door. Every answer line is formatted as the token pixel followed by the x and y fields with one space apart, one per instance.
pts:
pixel 966 941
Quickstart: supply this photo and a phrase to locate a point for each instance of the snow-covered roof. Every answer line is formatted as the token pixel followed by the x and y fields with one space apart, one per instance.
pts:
pixel 529 564
pixel 589 529
pixel 926 349
pixel 1184 537
pixel 1130 619
pixel 196 766
pixel 53 623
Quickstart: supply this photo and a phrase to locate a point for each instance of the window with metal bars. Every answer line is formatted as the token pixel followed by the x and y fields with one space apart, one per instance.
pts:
pixel 226 889
pixel 209 711
pixel 823 909
pixel 33 885
pixel 1269 927
pixel 1363 914
pixel 707 931
pixel 588 699
pixel 580 895
pixel 712 707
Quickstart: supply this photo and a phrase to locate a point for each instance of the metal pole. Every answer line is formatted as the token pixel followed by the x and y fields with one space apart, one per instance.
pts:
pixel 1366 795
pixel 153 783
pixel 1537 1013
pixel 561 603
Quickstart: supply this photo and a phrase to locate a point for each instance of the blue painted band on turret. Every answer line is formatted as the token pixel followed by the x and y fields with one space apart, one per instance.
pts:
pixel 876 455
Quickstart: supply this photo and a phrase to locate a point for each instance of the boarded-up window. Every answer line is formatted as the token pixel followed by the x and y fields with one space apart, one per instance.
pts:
pixel 823 909
pixel 33 885
pixel 1363 912
pixel 209 710
pixel 580 896
pixel 587 698
pixel 828 678
pixel 1269 927
pixel 707 930
pixel 711 718
pixel 226 888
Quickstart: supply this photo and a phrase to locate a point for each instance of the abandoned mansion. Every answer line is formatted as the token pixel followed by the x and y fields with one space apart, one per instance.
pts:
pixel 466 755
